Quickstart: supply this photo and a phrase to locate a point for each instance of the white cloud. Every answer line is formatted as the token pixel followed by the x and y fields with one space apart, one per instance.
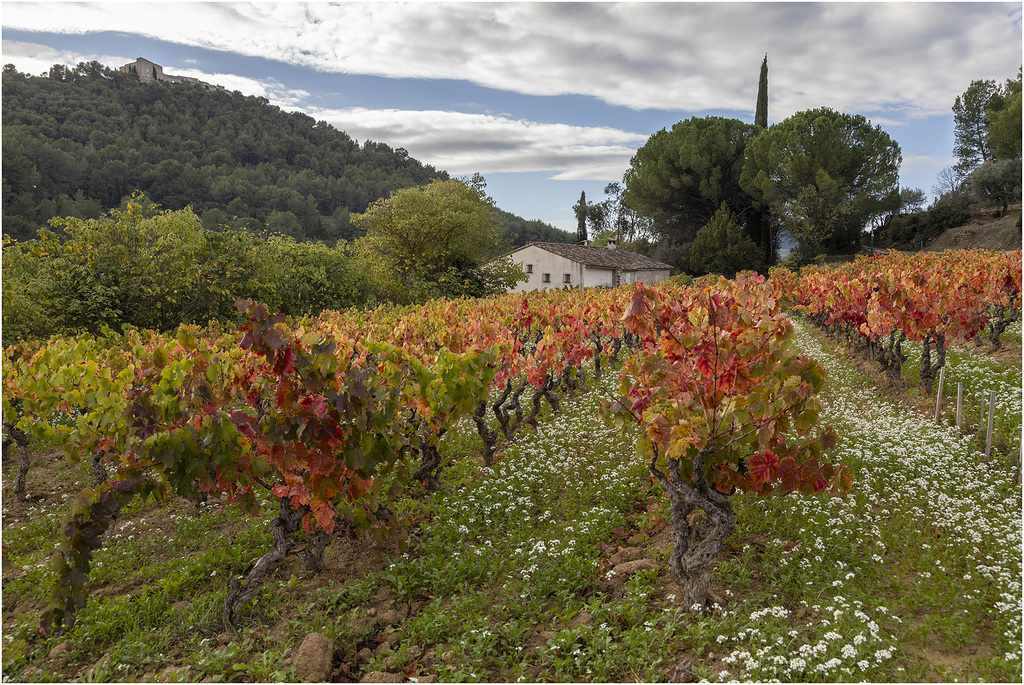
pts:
pixel 885 122
pixel 288 99
pixel 464 143
pixel 925 164
pixel 912 57
pixel 35 59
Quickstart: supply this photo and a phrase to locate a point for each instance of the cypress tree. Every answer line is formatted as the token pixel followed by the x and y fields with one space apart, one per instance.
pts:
pixel 581 219
pixel 761 114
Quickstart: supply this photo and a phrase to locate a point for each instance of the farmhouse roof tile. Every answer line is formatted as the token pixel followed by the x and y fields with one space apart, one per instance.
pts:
pixel 602 257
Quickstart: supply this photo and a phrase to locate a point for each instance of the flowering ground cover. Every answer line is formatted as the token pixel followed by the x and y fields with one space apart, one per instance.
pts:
pixel 923 556
pixel 549 566
pixel 981 373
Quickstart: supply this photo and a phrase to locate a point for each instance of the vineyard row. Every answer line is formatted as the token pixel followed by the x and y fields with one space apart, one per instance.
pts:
pixel 334 415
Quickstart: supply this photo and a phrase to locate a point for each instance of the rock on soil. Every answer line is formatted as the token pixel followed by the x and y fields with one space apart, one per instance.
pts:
pixel 389 617
pixel 623 571
pixel 581 619
pixel 626 554
pixel 382 677
pixel 313 660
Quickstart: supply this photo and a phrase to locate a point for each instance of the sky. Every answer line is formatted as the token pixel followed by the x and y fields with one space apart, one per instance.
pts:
pixel 550 99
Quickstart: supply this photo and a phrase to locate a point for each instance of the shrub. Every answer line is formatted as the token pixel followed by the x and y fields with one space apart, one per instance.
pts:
pixel 996 182
pixel 949 211
pixel 721 247
pixel 156 269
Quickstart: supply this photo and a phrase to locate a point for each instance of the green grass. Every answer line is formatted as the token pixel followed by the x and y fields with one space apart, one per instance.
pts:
pixel 914 575
pixel 981 374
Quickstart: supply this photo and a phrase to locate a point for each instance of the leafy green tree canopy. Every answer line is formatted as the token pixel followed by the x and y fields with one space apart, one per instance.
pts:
pixel 971 112
pixel 628 225
pixel 430 240
pixel 1004 127
pixel 997 182
pixel 150 268
pixel 680 177
pixel 824 175
pixel 912 199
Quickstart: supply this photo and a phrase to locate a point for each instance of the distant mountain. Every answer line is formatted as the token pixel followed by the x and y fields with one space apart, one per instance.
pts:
pixel 81 140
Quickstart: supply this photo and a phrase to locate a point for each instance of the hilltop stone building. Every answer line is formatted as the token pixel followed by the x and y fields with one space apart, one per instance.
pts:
pixel 558 265
pixel 151 71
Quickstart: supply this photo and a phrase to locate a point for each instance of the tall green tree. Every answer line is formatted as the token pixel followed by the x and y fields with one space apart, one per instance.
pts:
pixel 1004 126
pixel 580 208
pixel 681 176
pixel 761 114
pixel 971 112
pixel 824 174
pixel 912 200
pixel 628 225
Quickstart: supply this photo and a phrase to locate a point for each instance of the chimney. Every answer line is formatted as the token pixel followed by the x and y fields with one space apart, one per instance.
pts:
pixel 611 243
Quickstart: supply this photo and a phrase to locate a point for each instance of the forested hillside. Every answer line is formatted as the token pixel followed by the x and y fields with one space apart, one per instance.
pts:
pixel 79 141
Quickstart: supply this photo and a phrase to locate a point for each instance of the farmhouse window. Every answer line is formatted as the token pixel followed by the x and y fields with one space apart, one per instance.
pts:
pixel 529 268
pixel 567 278
pixel 546 278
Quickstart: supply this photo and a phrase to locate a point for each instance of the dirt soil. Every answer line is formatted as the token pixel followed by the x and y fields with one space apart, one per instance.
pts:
pixel 983 230
pixel 50 481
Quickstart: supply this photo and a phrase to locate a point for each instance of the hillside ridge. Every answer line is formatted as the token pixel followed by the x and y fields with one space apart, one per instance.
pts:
pixel 984 230
pixel 79 141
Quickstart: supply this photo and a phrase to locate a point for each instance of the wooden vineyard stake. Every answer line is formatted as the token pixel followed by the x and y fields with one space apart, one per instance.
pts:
pixel 959 405
pixel 981 420
pixel 991 419
pixel 938 396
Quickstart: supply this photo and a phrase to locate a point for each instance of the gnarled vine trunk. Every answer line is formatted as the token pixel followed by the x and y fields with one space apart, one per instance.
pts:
pixel 288 522
pixel 695 544
pixel 504 411
pixel 891 356
pixel 546 391
pixel 99 472
pixel 488 434
pixel 429 470
pixel 998 324
pixel 928 369
pixel 20 438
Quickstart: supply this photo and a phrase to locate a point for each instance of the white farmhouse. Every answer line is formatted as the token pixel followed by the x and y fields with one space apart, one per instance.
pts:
pixel 557 265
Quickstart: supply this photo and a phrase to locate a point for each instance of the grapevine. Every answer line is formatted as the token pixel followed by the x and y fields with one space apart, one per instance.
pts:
pixel 331 417
pixel 929 298
pixel 725 405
